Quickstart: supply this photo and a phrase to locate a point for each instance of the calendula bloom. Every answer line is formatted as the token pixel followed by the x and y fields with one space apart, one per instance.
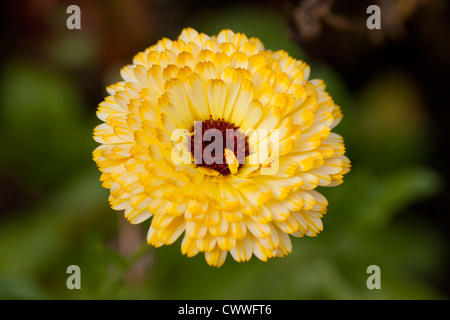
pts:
pixel 157 161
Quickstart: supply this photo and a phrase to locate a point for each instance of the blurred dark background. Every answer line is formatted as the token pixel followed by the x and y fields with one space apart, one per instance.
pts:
pixel 392 210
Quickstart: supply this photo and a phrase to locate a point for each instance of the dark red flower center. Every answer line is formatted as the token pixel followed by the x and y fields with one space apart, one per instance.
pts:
pixel 210 139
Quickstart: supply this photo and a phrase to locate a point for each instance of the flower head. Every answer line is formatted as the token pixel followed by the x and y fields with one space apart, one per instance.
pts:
pixel 221 142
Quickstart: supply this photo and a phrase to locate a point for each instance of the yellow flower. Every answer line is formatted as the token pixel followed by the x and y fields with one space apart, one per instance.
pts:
pixel 243 199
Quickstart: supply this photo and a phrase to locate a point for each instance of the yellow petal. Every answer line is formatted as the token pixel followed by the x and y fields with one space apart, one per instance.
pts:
pixel 216 257
pixel 231 160
pixel 208 171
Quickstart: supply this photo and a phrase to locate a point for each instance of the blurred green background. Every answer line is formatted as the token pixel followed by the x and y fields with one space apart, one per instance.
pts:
pixel 391 211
